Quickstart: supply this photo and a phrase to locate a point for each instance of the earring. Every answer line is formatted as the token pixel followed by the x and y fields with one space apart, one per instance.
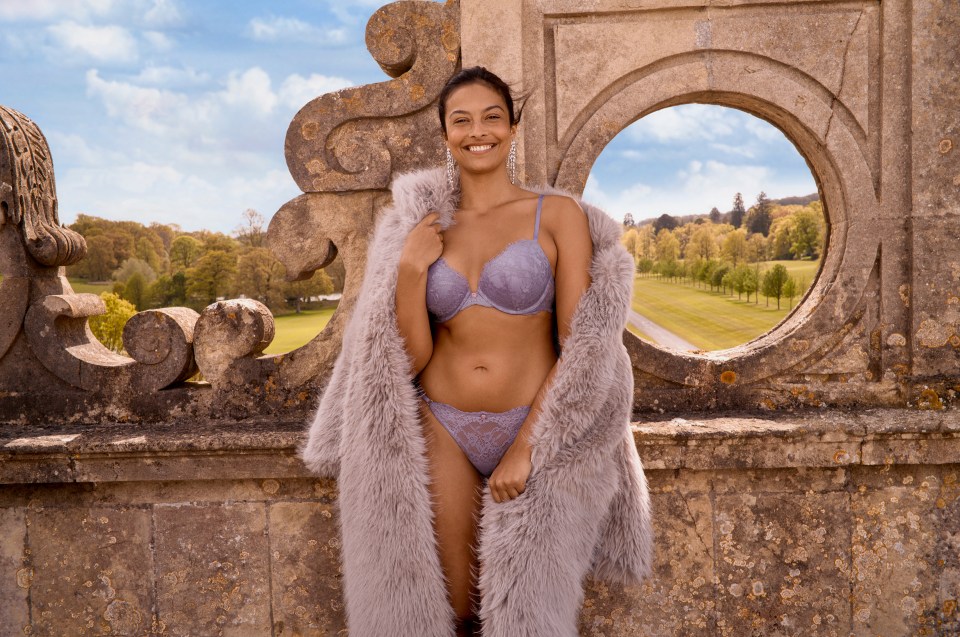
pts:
pixel 451 171
pixel 512 162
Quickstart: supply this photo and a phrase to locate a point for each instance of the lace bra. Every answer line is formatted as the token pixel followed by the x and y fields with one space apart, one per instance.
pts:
pixel 518 280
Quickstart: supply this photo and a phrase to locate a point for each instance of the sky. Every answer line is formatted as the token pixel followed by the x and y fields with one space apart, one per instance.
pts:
pixel 176 112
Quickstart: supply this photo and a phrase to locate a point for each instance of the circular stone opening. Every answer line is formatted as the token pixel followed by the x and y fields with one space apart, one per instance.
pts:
pixel 723 217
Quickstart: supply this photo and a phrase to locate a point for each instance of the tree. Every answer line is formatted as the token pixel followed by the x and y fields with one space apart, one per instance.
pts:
pixel 718 276
pixel 628 221
pixel 99 262
pixel 168 291
pixel 251 232
pixel 184 251
pixel 664 222
pixel 629 241
pixel 780 241
pixel 260 276
pixel 108 328
pixel 133 266
pixel 736 215
pixel 760 219
pixel 774 281
pixel 790 289
pixel 211 277
pixel 135 290
pixel 300 292
pixel 714 215
pixel 702 244
pixel 668 251
pixel 806 237
pixel 735 246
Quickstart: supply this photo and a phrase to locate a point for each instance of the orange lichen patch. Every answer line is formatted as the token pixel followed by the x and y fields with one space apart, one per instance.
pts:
pixel 728 377
pixel 945 146
pixel 949 607
pixel 417 92
pixel 955 340
pixel 841 457
pixel 309 130
pixel 929 399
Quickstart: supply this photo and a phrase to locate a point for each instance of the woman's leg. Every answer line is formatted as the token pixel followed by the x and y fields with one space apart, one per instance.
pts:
pixel 455 487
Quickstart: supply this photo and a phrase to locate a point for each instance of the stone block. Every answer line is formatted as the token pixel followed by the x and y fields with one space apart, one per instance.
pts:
pixel 213 572
pixel 306 575
pixel 783 564
pixel 894 538
pixel 15 571
pixel 680 598
pixel 92 571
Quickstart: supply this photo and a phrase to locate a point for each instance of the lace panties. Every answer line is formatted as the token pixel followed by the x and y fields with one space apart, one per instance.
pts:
pixel 483 435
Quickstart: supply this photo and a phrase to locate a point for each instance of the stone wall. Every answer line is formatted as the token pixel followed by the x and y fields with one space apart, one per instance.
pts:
pixel 818 523
pixel 133 502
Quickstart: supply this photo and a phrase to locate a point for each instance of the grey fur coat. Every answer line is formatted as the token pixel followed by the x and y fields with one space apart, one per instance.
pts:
pixel 585 509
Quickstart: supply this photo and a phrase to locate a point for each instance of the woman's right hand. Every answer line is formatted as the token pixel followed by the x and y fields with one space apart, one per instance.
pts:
pixel 424 244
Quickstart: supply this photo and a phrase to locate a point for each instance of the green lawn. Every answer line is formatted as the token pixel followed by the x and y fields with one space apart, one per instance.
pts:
pixel 711 320
pixel 295 330
pixel 82 287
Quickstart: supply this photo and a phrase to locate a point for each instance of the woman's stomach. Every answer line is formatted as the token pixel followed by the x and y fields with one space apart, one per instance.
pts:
pixel 486 360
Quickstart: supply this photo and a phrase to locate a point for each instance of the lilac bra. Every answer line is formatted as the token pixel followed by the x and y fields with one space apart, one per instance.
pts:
pixel 518 280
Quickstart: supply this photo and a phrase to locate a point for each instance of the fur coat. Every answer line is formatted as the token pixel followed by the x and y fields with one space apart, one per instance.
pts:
pixel 585 509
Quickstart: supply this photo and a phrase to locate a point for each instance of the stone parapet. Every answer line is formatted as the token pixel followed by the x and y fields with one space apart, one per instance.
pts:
pixel 805 523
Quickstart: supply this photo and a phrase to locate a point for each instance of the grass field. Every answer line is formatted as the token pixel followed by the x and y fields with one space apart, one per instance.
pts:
pixel 295 330
pixel 712 320
pixel 82 287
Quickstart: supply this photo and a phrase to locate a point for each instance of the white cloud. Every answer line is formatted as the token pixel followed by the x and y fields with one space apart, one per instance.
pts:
pixel 150 109
pixel 763 130
pixel 297 90
pixel 170 76
pixel 251 89
pixel 274 28
pixel 103 44
pixel 158 40
pixel 15 10
pixel 684 123
pixel 163 13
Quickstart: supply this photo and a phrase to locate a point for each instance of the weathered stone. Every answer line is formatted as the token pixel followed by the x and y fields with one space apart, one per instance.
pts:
pixel 16 573
pixel 212 569
pixel 92 570
pixel 305 557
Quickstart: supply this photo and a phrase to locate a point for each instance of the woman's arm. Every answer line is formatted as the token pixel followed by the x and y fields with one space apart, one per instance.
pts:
pixel 422 247
pixel 568 226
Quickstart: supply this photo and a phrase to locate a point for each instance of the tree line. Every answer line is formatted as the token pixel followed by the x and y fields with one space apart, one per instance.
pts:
pixel 724 250
pixel 159 265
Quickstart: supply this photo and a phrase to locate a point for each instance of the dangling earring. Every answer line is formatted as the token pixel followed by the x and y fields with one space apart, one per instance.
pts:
pixel 451 171
pixel 512 162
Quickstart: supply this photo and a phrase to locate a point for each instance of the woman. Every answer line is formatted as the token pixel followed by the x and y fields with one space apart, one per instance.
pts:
pixel 475 307
pixel 463 292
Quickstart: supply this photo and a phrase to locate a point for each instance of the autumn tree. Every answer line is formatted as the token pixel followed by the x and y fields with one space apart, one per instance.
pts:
pixel 251 231
pixel 664 222
pixel 260 276
pixel 714 215
pixel 806 236
pixel 184 251
pixel 734 247
pixel 108 328
pixel 211 277
pixel 774 281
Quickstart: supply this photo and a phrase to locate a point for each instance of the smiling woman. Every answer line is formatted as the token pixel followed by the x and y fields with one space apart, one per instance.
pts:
pixel 719 209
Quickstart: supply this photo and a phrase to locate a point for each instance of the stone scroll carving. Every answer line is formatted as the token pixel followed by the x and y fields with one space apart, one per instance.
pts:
pixel 358 138
pixel 39 303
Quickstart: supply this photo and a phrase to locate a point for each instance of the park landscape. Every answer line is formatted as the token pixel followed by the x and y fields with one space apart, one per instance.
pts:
pixel 702 282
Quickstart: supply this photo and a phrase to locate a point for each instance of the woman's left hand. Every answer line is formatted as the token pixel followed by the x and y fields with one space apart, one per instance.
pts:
pixel 509 479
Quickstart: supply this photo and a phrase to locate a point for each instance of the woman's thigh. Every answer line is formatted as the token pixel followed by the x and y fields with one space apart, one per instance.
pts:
pixel 455 486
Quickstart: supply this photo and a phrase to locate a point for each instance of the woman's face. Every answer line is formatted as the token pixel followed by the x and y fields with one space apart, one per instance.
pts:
pixel 478 128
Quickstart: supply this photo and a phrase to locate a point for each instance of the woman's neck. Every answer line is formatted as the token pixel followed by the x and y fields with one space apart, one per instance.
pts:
pixel 486 190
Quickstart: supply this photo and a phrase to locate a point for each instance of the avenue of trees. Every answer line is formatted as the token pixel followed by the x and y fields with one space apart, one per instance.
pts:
pixel 161 266
pixel 724 251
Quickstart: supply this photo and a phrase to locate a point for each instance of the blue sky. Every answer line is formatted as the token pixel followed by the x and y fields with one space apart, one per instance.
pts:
pixel 176 112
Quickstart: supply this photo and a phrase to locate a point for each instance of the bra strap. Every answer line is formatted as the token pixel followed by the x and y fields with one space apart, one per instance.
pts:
pixel 536 227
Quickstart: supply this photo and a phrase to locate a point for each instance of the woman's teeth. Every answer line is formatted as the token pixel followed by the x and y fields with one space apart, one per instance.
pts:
pixel 479 149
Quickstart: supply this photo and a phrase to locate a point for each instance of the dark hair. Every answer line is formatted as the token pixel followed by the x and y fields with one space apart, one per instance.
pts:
pixel 478 75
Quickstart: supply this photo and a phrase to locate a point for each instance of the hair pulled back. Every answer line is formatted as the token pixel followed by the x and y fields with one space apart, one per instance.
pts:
pixel 478 75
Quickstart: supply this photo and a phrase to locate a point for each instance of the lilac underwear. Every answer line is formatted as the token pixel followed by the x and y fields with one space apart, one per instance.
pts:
pixel 483 435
